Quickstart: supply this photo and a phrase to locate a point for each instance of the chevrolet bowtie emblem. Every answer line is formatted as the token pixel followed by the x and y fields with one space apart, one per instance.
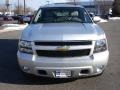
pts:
pixel 63 48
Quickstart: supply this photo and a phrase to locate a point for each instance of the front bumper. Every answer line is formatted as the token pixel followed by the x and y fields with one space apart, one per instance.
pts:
pixel 79 66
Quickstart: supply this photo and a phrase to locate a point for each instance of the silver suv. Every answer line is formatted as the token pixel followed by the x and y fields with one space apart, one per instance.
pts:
pixel 62 41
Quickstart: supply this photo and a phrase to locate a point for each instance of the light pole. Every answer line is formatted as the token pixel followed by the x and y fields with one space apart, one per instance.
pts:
pixel 8 5
pixel 18 7
pixel 24 7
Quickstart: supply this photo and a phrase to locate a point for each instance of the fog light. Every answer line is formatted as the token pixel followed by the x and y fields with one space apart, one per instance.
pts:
pixel 26 69
pixel 100 68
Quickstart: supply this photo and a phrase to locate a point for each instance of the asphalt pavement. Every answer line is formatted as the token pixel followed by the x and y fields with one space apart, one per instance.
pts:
pixel 12 79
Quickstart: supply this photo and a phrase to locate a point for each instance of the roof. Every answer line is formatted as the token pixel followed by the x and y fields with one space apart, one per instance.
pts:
pixel 61 5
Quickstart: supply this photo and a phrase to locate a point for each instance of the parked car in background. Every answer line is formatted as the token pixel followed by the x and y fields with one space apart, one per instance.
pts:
pixel 16 17
pixel 31 16
pixel 8 18
pixel 5 18
pixel 1 18
pixel 104 16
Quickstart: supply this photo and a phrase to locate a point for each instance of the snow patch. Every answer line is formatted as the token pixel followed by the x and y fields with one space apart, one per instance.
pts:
pixel 114 18
pixel 103 20
pixel 99 19
pixel 14 26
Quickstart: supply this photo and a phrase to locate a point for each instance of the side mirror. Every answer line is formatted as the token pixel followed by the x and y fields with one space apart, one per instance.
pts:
pixel 91 15
pixel 27 20
pixel 96 19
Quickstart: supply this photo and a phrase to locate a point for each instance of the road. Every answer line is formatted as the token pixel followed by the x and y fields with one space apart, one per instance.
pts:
pixel 12 79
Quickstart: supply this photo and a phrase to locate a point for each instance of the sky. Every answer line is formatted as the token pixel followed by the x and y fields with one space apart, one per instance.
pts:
pixel 34 4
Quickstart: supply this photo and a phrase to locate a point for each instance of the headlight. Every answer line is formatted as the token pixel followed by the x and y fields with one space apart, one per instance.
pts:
pixel 25 47
pixel 100 46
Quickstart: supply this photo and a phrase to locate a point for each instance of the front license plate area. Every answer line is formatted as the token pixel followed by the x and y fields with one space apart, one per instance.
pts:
pixel 62 74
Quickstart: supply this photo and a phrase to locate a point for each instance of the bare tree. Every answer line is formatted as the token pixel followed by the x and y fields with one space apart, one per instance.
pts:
pixel 73 1
pixel 3 9
pixel 104 6
pixel 20 10
pixel 116 7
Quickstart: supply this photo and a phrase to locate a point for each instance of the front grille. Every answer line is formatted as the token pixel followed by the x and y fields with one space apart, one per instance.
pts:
pixel 70 53
pixel 64 43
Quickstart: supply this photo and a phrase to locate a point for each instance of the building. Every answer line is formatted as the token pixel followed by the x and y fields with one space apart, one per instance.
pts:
pixel 100 7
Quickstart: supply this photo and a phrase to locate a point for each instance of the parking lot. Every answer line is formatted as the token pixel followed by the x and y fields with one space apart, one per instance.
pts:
pixel 12 79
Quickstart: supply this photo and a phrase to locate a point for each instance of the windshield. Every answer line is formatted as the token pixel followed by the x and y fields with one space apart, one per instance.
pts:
pixel 62 15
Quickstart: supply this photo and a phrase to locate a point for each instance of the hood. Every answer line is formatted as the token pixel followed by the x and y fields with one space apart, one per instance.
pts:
pixel 61 32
